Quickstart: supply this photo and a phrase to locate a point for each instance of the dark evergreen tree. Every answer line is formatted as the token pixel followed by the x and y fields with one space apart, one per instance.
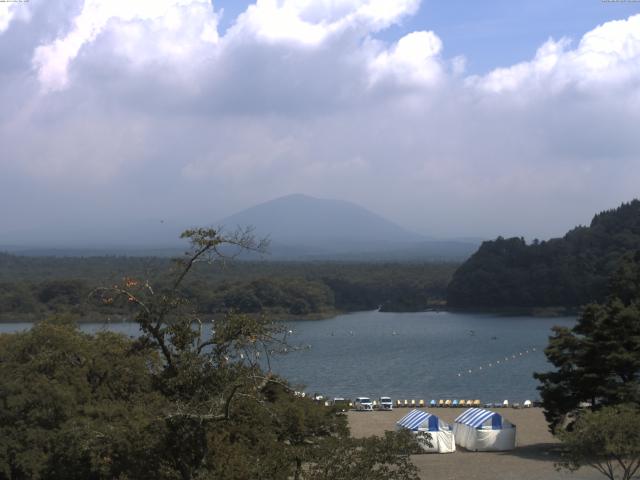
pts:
pixel 598 360
pixel 568 272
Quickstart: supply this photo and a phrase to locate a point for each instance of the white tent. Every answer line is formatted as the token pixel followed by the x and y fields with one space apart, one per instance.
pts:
pixel 420 423
pixel 484 431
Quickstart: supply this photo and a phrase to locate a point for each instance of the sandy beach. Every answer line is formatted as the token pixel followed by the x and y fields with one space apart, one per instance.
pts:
pixel 533 458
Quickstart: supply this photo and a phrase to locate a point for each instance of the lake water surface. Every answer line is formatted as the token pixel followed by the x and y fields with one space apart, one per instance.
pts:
pixel 410 355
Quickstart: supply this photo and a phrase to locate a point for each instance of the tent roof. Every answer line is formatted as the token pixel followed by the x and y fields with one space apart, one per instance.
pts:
pixel 475 417
pixel 415 418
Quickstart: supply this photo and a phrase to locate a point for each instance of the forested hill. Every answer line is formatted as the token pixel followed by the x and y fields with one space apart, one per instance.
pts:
pixel 569 271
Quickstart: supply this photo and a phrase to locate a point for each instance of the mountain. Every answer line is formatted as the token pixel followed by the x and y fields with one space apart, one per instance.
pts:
pixel 300 227
pixel 305 228
pixel 568 271
pixel 304 220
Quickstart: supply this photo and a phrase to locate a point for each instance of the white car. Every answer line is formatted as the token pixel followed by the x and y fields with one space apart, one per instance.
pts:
pixel 386 403
pixel 363 404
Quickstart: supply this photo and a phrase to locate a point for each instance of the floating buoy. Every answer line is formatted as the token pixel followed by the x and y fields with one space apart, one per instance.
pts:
pixel 498 362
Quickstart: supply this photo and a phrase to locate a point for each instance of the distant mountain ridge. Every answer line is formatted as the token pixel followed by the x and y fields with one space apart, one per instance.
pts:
pixel 302 219
pixel 568 271
pixel 302 227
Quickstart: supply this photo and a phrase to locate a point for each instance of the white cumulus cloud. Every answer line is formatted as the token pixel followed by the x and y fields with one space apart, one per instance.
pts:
pixel 607 56
pixel 413 60
pixel 149 105
pixel 310 22
pixel 11 11
pixel 176 27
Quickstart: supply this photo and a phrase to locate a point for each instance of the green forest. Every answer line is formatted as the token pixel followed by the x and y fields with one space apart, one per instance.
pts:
pixel 31 287
pixel 175 403
pixel 504 273
pixel 561 272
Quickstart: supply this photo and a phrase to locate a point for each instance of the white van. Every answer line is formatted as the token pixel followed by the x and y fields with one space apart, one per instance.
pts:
pixel 386 403
pixel 363 404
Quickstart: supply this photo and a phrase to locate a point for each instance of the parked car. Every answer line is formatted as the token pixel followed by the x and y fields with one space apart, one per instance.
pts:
pixel 385 403
pixel 363 404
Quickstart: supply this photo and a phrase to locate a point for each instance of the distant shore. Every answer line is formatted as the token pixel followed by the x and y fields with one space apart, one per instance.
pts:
pixel 323 315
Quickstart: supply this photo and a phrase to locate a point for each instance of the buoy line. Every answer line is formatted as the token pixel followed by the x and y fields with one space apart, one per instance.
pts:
pixel 501 361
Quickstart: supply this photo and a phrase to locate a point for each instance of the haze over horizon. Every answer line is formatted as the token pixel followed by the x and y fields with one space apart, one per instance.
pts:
pixel 475 122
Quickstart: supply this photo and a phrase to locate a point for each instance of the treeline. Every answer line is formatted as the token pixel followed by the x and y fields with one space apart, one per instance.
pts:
pixel 565 272
pixel 36 286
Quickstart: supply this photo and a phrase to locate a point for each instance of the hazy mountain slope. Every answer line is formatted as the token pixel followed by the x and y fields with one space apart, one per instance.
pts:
pixel 300 227
pixel 328 224
pixel 133 238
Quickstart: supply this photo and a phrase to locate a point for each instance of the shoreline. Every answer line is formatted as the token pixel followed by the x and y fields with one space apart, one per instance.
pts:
pixel 541 312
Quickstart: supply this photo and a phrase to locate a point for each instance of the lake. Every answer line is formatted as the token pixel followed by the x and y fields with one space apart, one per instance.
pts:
pixel 421 355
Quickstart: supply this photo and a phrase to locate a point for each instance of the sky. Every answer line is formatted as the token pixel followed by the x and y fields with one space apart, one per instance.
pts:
pixel 451 118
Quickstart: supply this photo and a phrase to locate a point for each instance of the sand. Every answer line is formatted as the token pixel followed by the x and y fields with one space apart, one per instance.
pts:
pixel 533 458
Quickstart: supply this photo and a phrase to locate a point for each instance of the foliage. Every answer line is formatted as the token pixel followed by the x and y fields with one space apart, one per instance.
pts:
pixel 34 286
pixel 74 405
pixel 569 271
pixel 188 399
pixel 607 440
pixel 598 360
pixel 374 458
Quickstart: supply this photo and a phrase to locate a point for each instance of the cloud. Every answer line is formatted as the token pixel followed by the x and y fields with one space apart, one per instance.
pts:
pixel 413 60
pixel 143 32
pixel 145 108
pixel 310 23
pixel 10 12
pixel 606 57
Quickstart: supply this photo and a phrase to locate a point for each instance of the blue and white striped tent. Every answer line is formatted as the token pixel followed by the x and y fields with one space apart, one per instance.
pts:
pixel 478 429
pixel 440 438
pixel 418 420
pixel 479 417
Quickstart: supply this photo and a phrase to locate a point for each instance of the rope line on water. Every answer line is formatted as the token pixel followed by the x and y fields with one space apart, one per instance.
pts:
pixel 499 362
